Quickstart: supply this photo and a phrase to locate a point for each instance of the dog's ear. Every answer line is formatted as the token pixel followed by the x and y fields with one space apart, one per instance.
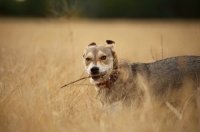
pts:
pixel 110 44
pixel 92 44
pixel 89 45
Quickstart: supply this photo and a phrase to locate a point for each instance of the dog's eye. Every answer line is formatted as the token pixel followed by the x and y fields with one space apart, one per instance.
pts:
pixel 103 57
pixel 87 59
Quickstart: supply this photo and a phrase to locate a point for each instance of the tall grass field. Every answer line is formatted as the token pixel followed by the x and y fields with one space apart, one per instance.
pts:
pixel 38 56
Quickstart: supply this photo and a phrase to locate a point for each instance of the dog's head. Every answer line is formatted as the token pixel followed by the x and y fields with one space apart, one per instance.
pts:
pixel 100 61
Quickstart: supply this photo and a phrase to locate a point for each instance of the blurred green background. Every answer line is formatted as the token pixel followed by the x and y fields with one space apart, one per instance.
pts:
pixel 101 8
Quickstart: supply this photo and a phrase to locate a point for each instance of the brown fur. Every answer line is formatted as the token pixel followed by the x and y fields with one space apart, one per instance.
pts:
pixel 137 80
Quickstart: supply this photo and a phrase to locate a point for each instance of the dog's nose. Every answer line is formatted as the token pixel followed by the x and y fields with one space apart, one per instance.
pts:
pixel 94 70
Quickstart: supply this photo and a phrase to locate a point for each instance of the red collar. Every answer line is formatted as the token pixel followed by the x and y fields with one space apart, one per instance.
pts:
pixel 110 81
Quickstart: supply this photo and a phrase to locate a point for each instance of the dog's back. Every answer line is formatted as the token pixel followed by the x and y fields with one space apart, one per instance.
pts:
pixel 169 73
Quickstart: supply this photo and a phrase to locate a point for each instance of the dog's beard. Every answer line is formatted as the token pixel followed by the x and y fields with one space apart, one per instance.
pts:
pixel 101 77
pixel 97 76
pixel 98 79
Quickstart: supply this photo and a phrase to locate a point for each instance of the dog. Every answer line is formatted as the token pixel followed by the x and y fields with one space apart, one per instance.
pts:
pixel 119 82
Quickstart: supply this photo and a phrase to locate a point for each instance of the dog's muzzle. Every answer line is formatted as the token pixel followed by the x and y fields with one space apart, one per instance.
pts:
pixel 94 70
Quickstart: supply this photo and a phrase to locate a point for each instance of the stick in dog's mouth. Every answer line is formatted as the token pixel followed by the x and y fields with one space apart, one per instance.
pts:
pixel 97 75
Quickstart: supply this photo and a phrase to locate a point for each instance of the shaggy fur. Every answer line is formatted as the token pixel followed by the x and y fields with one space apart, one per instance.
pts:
pixel 135 80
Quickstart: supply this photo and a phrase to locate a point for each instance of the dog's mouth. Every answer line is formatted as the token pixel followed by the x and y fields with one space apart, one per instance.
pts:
pixel 97 76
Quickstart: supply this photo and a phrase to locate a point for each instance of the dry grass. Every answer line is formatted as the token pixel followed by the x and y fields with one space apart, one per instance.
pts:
pixel 39 56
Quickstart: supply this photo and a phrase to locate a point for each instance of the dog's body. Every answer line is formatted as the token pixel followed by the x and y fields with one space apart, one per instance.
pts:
pixel 119 82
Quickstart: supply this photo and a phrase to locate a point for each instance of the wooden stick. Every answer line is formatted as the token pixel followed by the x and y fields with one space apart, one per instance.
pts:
pixel 80 80
pixel 75 81
pixel 101 75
